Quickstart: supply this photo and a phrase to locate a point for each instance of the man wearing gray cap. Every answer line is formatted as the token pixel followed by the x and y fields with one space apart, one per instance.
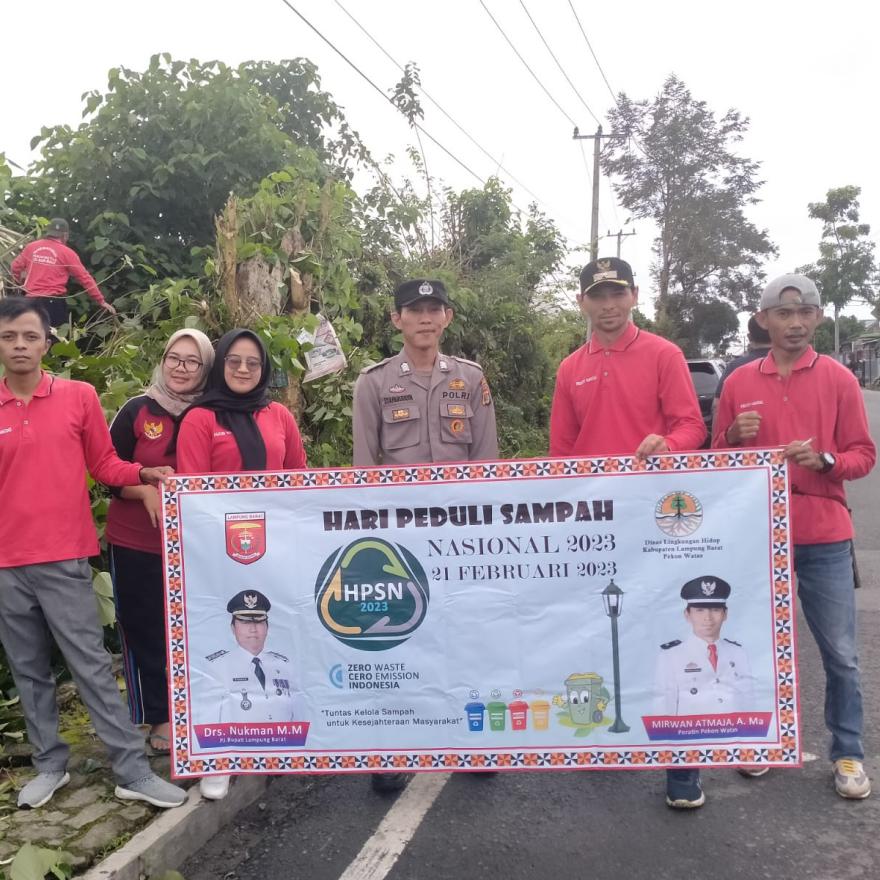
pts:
pixel 705 673
pixel 812 406
pixel 44 267
pixel 257 684
pixel 420 405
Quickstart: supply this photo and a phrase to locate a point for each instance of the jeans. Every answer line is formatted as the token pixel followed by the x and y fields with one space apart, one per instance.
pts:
pixel 826 589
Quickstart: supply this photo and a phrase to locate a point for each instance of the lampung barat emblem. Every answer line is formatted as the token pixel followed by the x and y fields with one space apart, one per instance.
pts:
pixel 246 537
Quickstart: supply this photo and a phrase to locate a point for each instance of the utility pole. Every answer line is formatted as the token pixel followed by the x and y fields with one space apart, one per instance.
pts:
pixel 619 235
pixel 594 213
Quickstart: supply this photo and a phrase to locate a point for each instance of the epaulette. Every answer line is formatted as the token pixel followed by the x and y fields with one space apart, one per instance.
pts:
pixel 732 642
pixel 669 645
pixel 217 654
pixel 466 361
pixel 372 367
pixel 279 656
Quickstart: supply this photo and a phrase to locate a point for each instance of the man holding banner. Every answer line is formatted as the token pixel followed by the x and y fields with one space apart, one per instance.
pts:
pixel 812 405
pixel 421 406
pixel 624 392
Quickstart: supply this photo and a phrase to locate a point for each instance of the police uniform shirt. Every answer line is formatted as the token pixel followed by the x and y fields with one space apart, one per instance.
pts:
pixel 688 685
pixel 245 698
pixel 404 417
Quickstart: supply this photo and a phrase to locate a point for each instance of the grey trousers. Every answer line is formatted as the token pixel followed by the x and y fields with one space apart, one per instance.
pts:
pixel 58 597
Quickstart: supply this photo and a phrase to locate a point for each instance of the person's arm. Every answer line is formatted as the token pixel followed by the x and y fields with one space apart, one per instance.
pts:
pixel 365 423
pixel 19 267
pixel 856 452
pixel 78 271
pixel 685 430
pixel 100 456
pixel 564 428
pixel 484 432
pixel 194 442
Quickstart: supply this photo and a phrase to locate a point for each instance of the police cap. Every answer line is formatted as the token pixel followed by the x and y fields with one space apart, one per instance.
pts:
pixel 250 605
pixel 611 270
pixel 707 591
pixel 419 288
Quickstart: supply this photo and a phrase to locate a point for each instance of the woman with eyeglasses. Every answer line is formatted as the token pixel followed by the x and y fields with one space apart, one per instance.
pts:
pixel 143 431
pixel 235 427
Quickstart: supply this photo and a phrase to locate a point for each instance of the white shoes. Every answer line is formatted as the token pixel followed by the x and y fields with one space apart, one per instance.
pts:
pixel 214 788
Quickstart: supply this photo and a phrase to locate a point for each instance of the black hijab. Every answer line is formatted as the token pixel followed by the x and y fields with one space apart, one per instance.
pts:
pixel 234 411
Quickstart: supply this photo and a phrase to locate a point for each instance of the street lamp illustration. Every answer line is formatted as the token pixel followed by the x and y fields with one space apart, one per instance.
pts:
pixel 612 596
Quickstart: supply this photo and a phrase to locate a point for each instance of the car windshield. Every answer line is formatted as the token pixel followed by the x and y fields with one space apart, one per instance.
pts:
pixel 705 378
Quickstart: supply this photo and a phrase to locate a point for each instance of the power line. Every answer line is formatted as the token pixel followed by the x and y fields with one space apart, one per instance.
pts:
pixel 525 63
pixel 363 76
pixel 558 64
pixel 424 91
pixel 587 41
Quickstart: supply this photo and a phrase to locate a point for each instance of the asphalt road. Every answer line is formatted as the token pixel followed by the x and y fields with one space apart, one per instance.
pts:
pixel 789 824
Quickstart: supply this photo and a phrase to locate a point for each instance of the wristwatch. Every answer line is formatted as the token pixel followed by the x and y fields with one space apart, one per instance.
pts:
pixel 828 462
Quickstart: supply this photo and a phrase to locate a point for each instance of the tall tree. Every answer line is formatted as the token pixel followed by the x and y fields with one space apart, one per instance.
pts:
pixel 673 162
pixel 845 269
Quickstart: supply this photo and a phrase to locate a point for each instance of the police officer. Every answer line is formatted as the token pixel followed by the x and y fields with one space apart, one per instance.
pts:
pixel 704 673
pixel 257 684
pixel 420 405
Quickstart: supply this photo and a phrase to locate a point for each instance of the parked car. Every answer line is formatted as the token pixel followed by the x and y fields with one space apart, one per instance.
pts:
pixel 705 373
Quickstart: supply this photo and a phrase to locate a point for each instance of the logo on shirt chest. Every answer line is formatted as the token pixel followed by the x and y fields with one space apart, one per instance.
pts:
pixel 153 430
pixel 580 382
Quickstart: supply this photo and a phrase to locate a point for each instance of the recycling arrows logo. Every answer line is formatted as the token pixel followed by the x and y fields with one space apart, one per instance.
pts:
pixel 372 595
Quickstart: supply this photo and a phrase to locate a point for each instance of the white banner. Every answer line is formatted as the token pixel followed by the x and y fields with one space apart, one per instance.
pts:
pixel 512 615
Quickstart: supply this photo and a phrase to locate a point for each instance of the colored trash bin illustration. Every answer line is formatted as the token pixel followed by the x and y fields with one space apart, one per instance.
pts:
pixel 519 713
pixel 540 714
pixel 497 716
pixel 587 698
pixel 475 713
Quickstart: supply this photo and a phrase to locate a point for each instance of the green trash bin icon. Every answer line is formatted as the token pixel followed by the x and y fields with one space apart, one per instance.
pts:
pixel 587 698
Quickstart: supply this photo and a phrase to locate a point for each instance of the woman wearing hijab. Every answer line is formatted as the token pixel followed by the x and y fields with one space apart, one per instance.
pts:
pixel 235 427
pixel 143 431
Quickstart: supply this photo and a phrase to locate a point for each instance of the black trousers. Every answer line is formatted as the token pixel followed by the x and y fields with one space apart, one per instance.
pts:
pixel 56 307
pixel 139 593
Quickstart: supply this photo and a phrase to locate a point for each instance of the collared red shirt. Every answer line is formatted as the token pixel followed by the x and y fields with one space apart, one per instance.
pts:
pixel 204 446
pixel 820 401
pixel 607 400
pixel 45 266
pixel 46 447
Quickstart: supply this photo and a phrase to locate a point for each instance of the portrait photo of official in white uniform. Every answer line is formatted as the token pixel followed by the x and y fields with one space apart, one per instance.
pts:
pixel 257 684
pixel 704 673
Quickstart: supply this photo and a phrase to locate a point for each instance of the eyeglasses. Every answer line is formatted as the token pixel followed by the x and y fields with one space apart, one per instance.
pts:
pixel 235 363
pixel 190 365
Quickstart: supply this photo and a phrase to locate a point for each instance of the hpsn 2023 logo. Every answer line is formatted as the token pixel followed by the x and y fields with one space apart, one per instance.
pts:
pixel 372 595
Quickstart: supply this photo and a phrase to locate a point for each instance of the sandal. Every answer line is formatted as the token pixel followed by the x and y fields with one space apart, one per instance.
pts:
pixel 164 744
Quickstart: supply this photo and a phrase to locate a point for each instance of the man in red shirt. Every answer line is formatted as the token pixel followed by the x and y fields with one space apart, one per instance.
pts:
pixel 626 392
pixel 44 267
pixel 51 431
pixel 811 405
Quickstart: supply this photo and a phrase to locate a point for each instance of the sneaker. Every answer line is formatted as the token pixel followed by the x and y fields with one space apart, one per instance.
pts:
pixel 850 779
pixel 683 790
pixel 753 772
pixel 384 783
pixel 152 789
pixel 40 789
pixel 214 788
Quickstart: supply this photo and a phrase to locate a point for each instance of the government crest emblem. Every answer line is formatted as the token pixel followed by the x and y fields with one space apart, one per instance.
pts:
pixel 245 537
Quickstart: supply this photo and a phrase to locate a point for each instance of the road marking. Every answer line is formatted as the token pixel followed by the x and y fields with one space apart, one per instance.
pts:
pixel 396 830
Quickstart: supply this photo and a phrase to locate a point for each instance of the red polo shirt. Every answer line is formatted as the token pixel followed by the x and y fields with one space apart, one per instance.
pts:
pixel 46 265
pixel 607 400
pixel 819 400
pixel 204 446
pixel 46 446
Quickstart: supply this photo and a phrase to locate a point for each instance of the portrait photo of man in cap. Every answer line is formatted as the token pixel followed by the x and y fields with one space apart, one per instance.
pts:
pixel 704 673
pixel 257 683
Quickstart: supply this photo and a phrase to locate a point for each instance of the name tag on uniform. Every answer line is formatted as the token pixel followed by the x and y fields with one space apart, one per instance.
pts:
pixel 400 414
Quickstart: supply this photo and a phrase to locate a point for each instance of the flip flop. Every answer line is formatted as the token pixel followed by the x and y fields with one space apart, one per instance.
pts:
pixel 160 738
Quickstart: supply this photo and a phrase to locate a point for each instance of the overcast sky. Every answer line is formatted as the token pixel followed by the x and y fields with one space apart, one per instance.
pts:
pixel 806 73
